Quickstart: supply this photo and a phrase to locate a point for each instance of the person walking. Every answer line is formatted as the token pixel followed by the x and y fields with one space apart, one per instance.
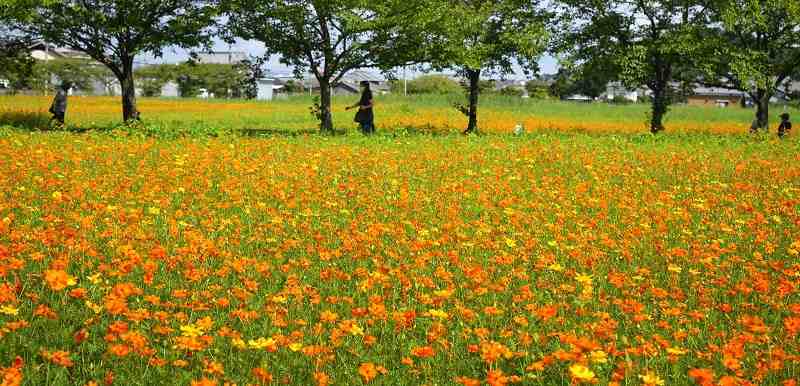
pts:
pixel 786 125
pixel 365 116
pixel 59 106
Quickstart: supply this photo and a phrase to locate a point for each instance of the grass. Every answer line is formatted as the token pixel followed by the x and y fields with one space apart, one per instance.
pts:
pixel 552 258
pixel 425 113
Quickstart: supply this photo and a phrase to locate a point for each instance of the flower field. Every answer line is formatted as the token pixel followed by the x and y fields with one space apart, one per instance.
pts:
pixel 554 259
pixel 419 113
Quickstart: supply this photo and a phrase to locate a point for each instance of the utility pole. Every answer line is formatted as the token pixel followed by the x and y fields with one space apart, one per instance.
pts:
pixel 46 59
pixel 405 82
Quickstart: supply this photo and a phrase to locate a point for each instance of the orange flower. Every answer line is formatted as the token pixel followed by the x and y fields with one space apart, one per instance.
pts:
pixel 58 279
pixel 61 358
pixel 12 375
pixel 263 376
pixel 322 379
pixel 204 382
pixel 423 352
pixel 468 381
pixel 496 378
pixel 369 371
pixel 702 377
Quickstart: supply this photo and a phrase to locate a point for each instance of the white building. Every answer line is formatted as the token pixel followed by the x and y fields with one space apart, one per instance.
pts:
pixel 265 87
pixel 221 57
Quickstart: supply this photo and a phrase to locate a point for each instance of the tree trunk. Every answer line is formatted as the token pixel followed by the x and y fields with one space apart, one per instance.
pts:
pixel 659 108
pixel 129 110
pixel 325 119
pixel 474 77
pixel 762 109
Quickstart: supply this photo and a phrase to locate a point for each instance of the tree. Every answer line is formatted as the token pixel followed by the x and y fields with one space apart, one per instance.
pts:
pixel 16 65
pixel 753 46
pixel 330 38
pixel 429 84
pixel 82 73
pixel 251 70
pixel 646 42
pixel 478 37
pixel 151 79
pixel 114 32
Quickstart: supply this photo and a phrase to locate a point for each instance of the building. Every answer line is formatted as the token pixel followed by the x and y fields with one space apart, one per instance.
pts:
pixel 221 57
pixel 264 89
pixel 615 90
pixel 715 96
pixel 45 51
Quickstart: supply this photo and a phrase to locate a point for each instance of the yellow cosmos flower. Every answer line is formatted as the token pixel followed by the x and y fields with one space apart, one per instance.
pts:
pixel 261 343
pixel 651 379
pixel 598 356
pixel 8 310
pixel 438 314
pixel 581 372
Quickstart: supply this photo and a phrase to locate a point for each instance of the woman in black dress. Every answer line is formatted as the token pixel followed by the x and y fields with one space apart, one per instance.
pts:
pixel 365 116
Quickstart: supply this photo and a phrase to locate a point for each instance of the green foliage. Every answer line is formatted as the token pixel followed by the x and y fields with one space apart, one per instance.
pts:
pixel 537 89
pixel 81 73
pixel 16 66
pixel 293 86
pixel 432 84
pixel 151 79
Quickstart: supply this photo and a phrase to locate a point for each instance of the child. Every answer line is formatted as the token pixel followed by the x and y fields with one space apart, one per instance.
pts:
pixel 365 117
pixel 785 127
pixel 59 106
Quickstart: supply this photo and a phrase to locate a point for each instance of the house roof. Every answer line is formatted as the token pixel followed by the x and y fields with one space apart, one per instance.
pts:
pixel 716 92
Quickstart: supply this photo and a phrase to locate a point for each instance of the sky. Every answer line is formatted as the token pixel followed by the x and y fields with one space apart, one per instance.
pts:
pixel 548 64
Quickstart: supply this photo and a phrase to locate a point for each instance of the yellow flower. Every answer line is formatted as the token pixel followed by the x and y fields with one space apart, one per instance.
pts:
pixel 674 268
pixel 95 279
pixel 191 331
pixel 598 356
pixel 356 330
pixel 239 343
pixel 154 211
pixel 556 267
pixel 8 310
pixel 295 346
pixel 279 299
pixel 510 243
pixel 676 351
pixel 584 279
pixel 94 307
pixel 438 314
pixel 651 379
pixel 261 343
pixel 57 195
pixel 581 372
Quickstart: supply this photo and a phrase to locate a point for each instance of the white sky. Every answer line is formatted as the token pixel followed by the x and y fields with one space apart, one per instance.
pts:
pixel 174 55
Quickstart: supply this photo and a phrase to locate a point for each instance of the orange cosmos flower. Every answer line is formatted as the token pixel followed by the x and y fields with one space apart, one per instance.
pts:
pixel 702 377
pixel 263 376
pixel 322 379
pixel 58 279
pixel 204 382
pixel 369 371
pixel 61 358
pixel 423 352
